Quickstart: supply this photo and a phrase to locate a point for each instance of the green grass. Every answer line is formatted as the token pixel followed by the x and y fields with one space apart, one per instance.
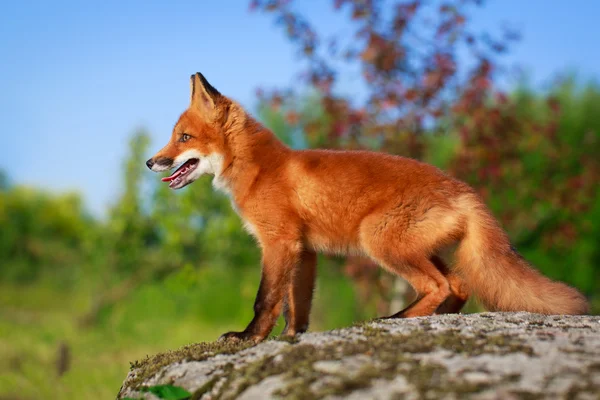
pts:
pixel 155 317
pixel 30 340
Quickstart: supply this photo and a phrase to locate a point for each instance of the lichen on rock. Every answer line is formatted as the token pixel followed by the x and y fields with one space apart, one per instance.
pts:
pixel 488 355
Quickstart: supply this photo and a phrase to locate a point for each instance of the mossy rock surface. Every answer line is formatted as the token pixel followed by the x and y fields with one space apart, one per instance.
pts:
pixel 483 356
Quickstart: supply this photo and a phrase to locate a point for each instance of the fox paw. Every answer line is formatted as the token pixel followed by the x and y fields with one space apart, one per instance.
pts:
pixel 236 337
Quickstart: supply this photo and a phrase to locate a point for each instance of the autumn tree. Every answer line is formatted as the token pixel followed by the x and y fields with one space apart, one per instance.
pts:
pixel 408 56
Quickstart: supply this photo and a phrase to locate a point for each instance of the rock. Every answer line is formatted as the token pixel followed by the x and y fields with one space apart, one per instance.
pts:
pixel 479 356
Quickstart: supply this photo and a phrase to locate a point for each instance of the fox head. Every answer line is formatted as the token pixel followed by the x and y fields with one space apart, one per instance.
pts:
pixel 198 143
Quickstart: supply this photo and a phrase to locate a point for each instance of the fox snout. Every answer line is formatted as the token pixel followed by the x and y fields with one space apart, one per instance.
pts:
pixel 159 163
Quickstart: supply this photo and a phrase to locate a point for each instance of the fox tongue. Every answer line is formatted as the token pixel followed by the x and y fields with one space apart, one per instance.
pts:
pixel 172 176
pixel 183 169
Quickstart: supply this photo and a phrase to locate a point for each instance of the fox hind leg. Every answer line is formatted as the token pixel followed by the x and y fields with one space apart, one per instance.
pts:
pixel 459 292
pixel 404 246
pixel 430 284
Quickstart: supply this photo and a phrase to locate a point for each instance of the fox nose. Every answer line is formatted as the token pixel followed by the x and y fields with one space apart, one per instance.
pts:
pixel 150 163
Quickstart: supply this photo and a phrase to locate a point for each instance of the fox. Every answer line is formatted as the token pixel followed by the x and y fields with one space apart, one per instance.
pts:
pixel 399 212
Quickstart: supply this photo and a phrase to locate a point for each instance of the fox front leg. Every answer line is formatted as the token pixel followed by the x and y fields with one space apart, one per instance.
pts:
pixel 279 261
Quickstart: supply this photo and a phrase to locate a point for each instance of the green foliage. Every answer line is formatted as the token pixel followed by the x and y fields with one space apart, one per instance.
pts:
pixel 167 392
pixel 130 231
pixel 4 183
pixel 42 232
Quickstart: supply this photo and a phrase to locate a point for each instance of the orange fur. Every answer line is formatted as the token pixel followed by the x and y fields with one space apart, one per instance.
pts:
pixel 398 211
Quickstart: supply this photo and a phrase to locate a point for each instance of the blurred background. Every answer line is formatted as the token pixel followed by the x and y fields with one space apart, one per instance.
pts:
pixel 101 265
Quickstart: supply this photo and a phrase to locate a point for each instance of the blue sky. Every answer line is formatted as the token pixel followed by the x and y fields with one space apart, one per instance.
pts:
pixel 77 77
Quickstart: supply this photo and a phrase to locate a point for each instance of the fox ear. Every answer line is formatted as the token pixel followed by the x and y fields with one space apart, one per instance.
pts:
pixel 204 96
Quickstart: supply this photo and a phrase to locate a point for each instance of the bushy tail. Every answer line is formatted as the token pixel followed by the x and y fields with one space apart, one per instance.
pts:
pixel 499 277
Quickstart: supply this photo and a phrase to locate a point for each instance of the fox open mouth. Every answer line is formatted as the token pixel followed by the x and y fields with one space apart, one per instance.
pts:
pixel 177 179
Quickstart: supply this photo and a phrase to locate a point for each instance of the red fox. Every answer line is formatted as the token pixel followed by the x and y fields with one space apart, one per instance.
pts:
pixel 398 211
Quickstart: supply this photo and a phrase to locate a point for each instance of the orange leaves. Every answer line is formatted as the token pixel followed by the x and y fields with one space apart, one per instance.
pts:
pixel 406 53
pixel 451 20
pixel 292 117
pixel 411 94
pixel 380 53
pixel 404 14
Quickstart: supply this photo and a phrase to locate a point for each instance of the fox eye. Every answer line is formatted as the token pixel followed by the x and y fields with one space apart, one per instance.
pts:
pixel 185 137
